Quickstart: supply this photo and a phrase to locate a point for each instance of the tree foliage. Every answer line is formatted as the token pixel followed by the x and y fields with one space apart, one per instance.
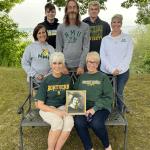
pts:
pixel 83 4
pixel 11 46
pixel 6 5
pixel 10 42
pixel 143 15
pixel 141 55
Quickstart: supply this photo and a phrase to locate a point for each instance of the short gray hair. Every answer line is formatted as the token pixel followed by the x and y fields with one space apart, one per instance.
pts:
pixel 57 57
pixel 95 55
pixel 117 16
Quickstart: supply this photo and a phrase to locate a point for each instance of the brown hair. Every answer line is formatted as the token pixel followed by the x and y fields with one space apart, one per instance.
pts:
pixel 36 30
pixel 66 18
pixel 49 6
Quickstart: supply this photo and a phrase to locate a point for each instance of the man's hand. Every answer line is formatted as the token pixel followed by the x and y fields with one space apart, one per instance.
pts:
pixel 80 71
pixel 39 76
pixel 65 70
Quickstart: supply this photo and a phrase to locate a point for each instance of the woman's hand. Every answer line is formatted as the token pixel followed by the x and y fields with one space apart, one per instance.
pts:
pixel 115 72
pixel 90 111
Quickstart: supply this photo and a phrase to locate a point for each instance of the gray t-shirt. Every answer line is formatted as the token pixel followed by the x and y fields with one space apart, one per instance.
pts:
pixel 74 42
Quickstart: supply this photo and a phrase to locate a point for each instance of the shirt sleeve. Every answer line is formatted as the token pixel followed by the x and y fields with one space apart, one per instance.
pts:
pixel 124 64
pixel 59 39
pixel 85 47
pixel 42 92
pixel 76 85
pixel 108 29
pixel 26 62
pixel 104 58
pixel 106 99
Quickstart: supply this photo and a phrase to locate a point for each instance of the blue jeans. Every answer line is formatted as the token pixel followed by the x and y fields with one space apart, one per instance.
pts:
pixel 121 81
pixel 98 126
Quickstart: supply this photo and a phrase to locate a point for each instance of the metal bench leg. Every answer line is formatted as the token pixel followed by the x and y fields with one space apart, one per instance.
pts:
pixel 125 137
pixel 21 138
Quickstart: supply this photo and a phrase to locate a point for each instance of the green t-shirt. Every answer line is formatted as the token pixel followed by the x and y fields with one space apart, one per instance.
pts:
pixel 99 93
pixel 52 90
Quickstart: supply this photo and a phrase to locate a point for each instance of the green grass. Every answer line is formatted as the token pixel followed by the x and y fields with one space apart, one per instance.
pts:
pixel 13 90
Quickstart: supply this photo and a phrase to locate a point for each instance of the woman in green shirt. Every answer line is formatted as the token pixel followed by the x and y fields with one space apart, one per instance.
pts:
pixel 99 95
pixel 51 98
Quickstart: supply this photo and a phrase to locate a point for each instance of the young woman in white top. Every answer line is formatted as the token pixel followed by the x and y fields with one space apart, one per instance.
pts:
pixel 116 54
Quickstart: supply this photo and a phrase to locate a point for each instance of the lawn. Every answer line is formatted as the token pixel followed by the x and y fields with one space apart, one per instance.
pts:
pixel 13 90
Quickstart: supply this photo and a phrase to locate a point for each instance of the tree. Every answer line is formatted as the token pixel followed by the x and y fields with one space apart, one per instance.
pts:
pixel 10 41
pixel 83 4
pixel 11 45
pixel 143 15
pixel 6 5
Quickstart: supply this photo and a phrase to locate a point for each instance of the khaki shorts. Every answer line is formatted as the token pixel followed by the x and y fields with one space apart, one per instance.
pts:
pixel 56 122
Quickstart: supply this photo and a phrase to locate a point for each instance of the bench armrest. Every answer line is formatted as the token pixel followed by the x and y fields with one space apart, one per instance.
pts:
pixel 21 108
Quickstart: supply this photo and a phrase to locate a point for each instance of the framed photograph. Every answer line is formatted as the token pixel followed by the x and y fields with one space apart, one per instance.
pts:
pixel 76 102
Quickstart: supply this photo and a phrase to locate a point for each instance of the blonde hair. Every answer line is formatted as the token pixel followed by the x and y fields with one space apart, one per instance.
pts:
pixel 117 16
pixel 57 57
pixel 94 3
pixel 94 55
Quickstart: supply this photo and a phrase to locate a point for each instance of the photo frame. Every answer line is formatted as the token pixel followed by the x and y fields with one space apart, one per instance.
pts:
pixel 76 102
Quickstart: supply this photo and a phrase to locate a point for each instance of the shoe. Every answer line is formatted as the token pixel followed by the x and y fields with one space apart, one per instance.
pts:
pixel 108 148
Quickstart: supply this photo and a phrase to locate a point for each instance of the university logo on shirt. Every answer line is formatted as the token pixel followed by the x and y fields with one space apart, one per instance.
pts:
pixel 44 54
pixel 72 36
pixel 96 32
pixel 123 40
pixel 52 32
pixel 91 82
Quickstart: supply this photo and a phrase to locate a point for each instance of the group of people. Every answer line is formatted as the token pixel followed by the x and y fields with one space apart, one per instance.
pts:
pixel 94 52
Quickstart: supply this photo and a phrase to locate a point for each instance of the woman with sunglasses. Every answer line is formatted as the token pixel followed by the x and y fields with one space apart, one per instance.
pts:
pixel 51 99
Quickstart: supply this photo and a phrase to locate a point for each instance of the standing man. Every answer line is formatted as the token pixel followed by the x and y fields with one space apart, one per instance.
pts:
pixel 98 27
pixel 51 23
pixel 73 39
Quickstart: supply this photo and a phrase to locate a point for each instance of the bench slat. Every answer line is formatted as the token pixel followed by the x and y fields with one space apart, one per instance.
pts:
pixel 33 119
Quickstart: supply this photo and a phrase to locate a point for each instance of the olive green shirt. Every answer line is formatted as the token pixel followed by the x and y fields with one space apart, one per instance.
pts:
pixel 99 92
pixel 52 90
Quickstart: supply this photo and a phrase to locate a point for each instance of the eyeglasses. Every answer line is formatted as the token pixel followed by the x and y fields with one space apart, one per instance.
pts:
pixel 92 62
pixel 59 63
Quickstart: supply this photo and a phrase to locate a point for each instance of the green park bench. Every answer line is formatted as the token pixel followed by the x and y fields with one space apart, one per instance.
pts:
pixel 30 115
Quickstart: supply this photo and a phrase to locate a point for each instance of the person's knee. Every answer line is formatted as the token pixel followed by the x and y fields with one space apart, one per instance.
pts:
pixel 57 124
pixel 97 125
pixel 79 122
pixel 68 123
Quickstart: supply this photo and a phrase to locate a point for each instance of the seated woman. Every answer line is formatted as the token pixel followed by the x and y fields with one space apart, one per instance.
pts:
pixel 116 54
pixel 51 97
pixel 99 95
pixel 35 60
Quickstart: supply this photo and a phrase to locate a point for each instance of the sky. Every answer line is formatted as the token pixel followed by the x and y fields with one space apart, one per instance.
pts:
pixel 30 12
